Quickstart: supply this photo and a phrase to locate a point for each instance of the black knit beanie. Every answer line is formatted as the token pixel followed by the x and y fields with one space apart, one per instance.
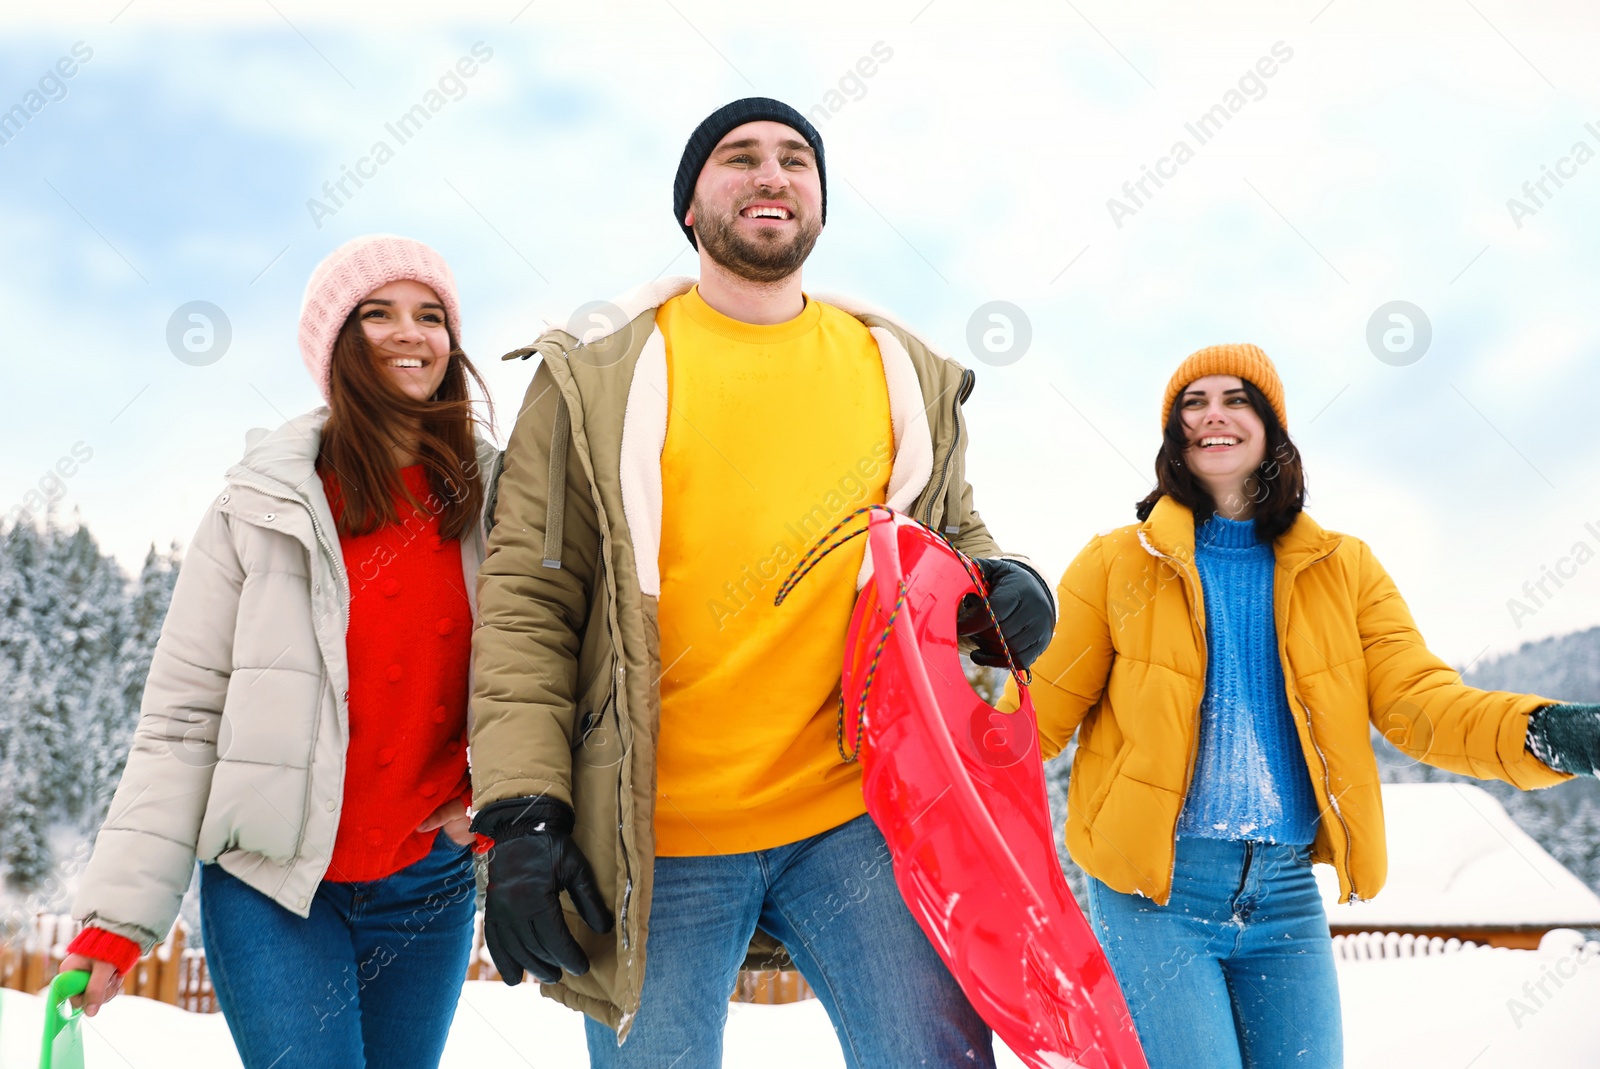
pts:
pixel 715 128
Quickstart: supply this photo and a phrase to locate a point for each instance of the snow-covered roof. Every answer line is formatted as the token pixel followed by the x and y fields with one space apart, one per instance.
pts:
pixel 1457 860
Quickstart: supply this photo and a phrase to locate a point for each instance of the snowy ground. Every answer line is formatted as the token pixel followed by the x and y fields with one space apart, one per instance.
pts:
pixel 1452 1011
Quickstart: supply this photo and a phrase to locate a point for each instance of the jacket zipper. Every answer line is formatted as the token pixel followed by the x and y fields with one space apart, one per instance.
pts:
pixel 622 841
pixel 1194 744
pixel 316 528
pixel 615 701
pixel 950 455
pixel 617 698
pixel 1327 786
pixel 627 864
pixel 339 577
pixel 1311 733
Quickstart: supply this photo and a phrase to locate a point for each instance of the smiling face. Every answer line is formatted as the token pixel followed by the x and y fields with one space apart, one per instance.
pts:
pixel 1226 439
pixel 757 208
pixel 404 324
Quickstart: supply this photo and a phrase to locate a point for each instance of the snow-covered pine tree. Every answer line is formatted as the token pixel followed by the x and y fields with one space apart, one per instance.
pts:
pixel 74 651
pixel 25 614
pixel 10 600
pixel 82 642
pixel 101 751
pixel 119 687
pixel 20 551
pixel 29 702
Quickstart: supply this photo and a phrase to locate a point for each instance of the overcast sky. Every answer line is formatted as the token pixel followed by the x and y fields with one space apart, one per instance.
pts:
pixel 973 151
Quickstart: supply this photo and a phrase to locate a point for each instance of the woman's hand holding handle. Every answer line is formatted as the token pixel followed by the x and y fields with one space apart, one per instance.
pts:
pixel 104 982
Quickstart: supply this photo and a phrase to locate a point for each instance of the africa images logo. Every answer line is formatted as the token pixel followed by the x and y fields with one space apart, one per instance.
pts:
pixel 1251 86
pixel 1536 192
pixel 451 86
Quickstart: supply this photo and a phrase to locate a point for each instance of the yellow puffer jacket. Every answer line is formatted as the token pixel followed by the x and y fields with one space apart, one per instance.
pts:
pixel 1127 668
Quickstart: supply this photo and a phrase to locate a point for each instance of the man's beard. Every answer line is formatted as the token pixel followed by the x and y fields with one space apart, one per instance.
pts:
pixel 765 259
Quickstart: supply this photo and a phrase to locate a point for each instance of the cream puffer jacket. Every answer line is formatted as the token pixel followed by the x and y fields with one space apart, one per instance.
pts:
pixel 238 757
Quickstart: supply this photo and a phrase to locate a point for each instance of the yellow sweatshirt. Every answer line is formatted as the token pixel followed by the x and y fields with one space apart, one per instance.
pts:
pixel 774 434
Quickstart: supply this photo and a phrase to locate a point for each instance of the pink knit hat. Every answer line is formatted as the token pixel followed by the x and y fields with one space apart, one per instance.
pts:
pixel 354 270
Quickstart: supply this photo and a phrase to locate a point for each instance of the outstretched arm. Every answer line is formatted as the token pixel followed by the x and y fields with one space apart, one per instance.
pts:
pixel 1420 704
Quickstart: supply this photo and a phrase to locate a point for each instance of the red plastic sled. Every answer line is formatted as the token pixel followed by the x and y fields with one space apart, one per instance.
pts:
pixel 958 790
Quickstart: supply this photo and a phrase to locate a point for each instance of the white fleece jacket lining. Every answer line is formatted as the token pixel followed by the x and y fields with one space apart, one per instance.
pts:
pixel 644 432
pixel 644 435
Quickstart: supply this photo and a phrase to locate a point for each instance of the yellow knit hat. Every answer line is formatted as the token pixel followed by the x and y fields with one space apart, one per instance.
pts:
pixel 1246 361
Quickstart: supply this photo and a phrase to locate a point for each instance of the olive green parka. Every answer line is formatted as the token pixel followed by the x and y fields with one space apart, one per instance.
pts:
pixel 566 655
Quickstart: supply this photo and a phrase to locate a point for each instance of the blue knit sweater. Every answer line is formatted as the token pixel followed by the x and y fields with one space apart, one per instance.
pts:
pixel 1250 776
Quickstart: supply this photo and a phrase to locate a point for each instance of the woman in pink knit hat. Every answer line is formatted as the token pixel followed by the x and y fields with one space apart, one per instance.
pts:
pixel 303 732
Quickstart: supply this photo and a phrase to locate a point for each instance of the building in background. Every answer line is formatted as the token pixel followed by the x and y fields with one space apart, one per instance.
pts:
pixel 1460 867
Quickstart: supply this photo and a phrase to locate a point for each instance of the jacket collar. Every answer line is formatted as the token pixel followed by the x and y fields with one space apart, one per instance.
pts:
pixel 653 295
pixel 644 419
pixel 287 458
pixel 1170 532
pixel 1306 542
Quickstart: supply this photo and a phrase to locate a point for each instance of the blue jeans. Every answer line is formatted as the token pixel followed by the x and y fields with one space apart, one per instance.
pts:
pixel 1236 969
pixel 371 978
pixel 833 902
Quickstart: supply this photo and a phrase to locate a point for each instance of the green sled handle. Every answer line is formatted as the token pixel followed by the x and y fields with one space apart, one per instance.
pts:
pixel 62 1044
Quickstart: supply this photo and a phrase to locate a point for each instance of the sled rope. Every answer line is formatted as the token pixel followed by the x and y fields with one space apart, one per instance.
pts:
pixel 866 685
pixel 813 557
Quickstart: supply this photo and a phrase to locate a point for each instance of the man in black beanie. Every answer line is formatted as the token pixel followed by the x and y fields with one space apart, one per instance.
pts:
pixel 653 737
pixel 710 133
pixel 754 230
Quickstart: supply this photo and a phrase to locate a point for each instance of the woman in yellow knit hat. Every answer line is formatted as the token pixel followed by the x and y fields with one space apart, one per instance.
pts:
pixel 1221 662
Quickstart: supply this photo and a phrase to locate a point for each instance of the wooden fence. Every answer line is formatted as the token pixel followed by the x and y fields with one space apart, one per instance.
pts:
pixel 175 973
pixel 172 972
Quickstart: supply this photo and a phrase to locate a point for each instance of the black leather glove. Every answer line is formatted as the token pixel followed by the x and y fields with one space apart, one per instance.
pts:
pixel 533 860
pixel 1023 605
pixel 1567 738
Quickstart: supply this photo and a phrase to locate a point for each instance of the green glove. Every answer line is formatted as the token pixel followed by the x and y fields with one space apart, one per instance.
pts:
pixel 1567 738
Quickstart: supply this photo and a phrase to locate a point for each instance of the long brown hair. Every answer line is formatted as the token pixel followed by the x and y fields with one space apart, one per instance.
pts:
pixel 1280 492
pixel 370 418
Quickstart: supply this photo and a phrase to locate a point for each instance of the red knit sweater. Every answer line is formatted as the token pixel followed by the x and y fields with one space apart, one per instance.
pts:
pixel 408 645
